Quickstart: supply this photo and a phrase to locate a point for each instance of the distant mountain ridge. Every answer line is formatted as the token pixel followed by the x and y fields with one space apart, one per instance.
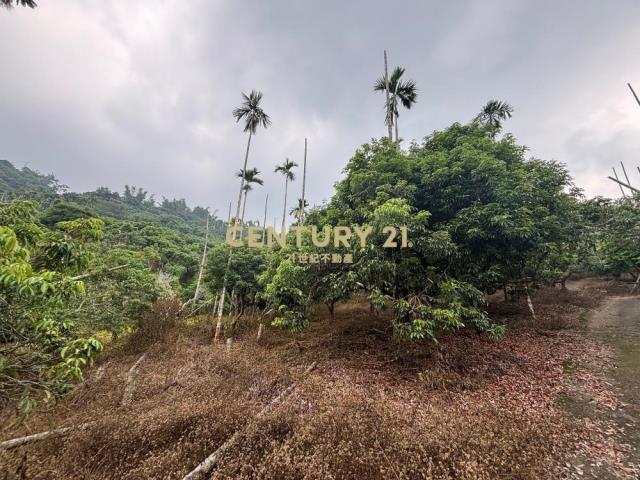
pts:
pixel 133 205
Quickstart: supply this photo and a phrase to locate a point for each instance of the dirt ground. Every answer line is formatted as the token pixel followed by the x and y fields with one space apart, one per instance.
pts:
pixel 617 324
pixel 556 398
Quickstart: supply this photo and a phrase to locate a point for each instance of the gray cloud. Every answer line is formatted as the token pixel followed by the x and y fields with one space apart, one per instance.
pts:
pixel 108 93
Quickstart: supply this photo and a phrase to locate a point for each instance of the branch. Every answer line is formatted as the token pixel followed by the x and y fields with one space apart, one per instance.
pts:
pixel 17 442
pixel 633 189
pixel 131 382
pixel 87 275
pixel 212 459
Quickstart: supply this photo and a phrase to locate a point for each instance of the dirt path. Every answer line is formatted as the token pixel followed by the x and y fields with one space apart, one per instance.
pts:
pixel 617 324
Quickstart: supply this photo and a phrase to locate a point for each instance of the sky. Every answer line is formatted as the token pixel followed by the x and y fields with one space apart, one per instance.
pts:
pixel 141 92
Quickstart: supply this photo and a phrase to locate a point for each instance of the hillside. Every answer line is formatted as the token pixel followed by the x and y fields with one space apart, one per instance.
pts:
pixel 133 205
pixel 373 407
pixel 25 181
pixel 133 219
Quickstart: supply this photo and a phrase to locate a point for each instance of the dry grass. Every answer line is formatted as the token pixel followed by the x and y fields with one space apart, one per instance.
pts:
pixel 376 407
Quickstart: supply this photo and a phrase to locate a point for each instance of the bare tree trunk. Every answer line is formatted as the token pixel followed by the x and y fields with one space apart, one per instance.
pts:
pixel 235 220
pixel 205 467
pixel 244 206
pixel 635 286
pixel 395 124
pixel 264 221
pixel 130 387
pixel 204 258
pixel 215 304
pixel 304 182
pixel 386 82
pixel 530 304
pixel 260 327
pixel 87 275
pixel 244 169
pixel 284 209
pixel 17 442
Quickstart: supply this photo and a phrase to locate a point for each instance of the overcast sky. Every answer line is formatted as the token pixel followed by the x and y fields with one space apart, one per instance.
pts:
pixel 107 93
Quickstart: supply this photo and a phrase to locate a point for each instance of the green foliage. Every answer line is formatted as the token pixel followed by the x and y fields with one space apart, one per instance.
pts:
pixel 285 296
pixel 619 241
pixel 247 264
pixel 48 316
pixel 479 215
pixel 40 350
pixel 25 181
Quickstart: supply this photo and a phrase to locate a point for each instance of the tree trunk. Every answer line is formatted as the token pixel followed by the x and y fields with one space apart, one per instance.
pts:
pixel 244 206
pixel 635 286
pixel 530 303
pixel 216 336
pixel 260 327
pixel 284 210
pixel 130 386
pixel 205 467
pixel 17 442
pixel 226 273
pixel 386 83
pixel 204 258
pixel 395 124
pixel 304 181
pixel 264 221
pixel 244 169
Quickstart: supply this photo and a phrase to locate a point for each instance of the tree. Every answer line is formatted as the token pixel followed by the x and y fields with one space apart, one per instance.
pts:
pixel 250 178
pixel 286 169
pixel 618 243
pixel 253 116
pixel 40 346
pixel 298 212
pixel 246 266
pixel 493 113
pixel 401 92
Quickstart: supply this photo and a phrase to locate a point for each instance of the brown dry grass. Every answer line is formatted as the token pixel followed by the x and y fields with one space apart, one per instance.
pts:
pixel 376 407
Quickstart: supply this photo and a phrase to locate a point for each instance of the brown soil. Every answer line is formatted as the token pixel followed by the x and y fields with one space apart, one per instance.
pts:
pixel 375 407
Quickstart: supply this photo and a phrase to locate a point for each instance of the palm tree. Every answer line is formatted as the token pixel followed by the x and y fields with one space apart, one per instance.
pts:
pixel 24 3
pixel 250 177
pixel 298 212
pixel 253 117
pixel 492 115
pixel 402 92
pixel 287 170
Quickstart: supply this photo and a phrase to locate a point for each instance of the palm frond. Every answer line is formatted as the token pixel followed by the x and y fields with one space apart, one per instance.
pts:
pixel 24 3
pixel 251 112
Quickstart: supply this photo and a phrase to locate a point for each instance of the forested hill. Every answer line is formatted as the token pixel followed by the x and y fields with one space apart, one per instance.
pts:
pixel 133 204
pixel 168 235
pixel 25 181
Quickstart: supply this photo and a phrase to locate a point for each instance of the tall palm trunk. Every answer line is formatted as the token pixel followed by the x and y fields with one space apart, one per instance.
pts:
pixel 395 124
pixel 235 220
pixel 264 222
pixel 244 206
pixel 244 169
pixel 386 83
pixel 284 209
pixel 204 259
pixel 304 181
